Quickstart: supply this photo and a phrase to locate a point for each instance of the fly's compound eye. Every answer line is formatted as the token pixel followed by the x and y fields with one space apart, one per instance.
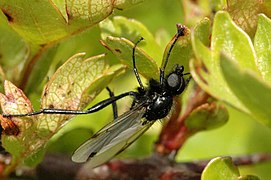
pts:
pixel 175 82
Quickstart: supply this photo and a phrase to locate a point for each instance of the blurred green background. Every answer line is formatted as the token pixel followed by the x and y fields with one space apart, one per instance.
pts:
pixel 240 136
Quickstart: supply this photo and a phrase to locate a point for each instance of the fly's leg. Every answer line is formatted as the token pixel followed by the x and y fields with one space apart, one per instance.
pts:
pixel 92 109
pixel 187 80
pixel 114 104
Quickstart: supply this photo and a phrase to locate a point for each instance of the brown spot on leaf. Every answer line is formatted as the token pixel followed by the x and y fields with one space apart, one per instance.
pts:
pixel 92 154
pixel 118 50
pixel 51 106
pixel 194 1
pixel 105 45
pixel 42 45
pixel 8 15
pixel 68 13
pixel 9 127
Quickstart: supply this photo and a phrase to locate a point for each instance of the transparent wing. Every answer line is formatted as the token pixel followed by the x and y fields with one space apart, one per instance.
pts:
pixel 113 138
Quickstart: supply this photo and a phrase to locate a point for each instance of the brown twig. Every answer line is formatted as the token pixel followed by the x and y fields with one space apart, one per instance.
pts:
pixel 155 167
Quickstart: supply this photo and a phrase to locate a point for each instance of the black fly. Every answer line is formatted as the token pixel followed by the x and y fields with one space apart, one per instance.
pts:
pixel 149 104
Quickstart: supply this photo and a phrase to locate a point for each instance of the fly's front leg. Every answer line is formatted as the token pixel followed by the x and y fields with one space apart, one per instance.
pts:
pixel 188 80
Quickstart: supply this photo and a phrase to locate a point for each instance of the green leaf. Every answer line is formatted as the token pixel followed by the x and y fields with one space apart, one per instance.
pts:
pixel 43 22
pixel 203 31
pixel 15 102
pixel 206 117
pixel 68 141
pixel 250 89
pixel 230 39
pixel 244 13
pixel 132 30
pixel 48 58
pixel 73 86
pixel 263 46
pixel 122 4
pixel 40 70
pixel 122 48
pixel 211 80
pixel 248 177
pixel 239 84
pixel 181 52
pixel 13 49
pixel 221 168
pixel 35 158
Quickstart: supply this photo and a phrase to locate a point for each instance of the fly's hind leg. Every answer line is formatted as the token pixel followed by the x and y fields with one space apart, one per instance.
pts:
pixel 114 104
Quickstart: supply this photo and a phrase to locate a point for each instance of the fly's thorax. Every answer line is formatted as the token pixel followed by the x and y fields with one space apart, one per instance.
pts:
pixel 159 106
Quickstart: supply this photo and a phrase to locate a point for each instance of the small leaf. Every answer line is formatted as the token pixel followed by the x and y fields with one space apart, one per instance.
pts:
pixel 206 117
pixel 242 89
pixel 43 22
pixel 250 89
pixel 9 127
pixel 263 46
pixel 122 48
pixel 15 102
pixel 181 52
pixel 71 87
pixel 245 13
pixel 207 74
pixel 234 42
pixel 231 40
pixel 203 31
pixel 132 30
pixel 221 168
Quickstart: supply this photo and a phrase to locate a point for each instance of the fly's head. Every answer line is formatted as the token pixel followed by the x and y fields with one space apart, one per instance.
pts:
pixel 175 83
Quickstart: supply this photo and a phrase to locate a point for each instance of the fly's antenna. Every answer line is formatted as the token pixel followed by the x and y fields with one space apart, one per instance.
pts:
pixel 134 65
pixel 180 32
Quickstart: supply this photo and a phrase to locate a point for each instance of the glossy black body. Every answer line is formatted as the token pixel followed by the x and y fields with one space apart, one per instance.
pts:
pixel 159 96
